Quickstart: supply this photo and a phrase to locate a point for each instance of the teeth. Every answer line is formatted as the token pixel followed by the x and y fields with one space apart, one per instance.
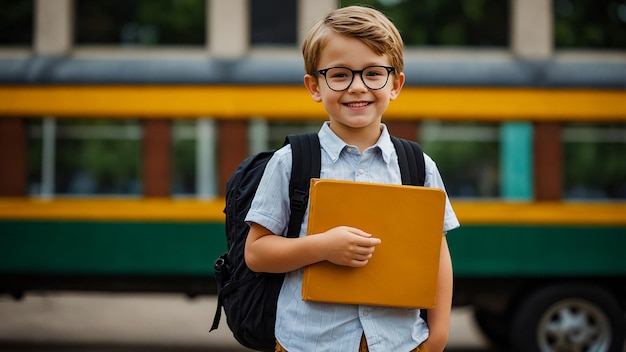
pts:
pixel 357 105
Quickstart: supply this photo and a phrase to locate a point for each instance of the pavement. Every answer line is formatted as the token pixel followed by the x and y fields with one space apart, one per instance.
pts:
pixel 70 321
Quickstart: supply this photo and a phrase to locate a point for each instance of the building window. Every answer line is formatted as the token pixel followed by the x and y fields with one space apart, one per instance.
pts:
pixel 598 24
pixel 467 23
pixel 140 22
pixel 16 22
pixel 273 22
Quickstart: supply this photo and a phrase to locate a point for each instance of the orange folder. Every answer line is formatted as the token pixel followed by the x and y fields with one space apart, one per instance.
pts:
pixel 404 268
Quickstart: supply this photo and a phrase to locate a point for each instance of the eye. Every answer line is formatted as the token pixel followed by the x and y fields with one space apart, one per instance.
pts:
pixel 339 75
pixel 375 72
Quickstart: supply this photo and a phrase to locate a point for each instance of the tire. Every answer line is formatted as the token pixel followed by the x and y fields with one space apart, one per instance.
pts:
pixel 494 326
pixel 568 317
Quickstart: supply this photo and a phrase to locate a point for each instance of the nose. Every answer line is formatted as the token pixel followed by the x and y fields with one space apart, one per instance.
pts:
pixel 357 84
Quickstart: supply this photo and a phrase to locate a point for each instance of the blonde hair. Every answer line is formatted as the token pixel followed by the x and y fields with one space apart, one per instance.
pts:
pixel 366 24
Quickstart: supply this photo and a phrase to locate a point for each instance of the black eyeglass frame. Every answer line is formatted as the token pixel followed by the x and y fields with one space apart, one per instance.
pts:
pixel 323 72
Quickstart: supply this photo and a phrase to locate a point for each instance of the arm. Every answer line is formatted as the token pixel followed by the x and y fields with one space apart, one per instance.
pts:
pixel 267 252
pixel 439 317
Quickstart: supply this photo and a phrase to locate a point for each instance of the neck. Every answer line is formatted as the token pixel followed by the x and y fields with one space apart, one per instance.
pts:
pixel 362 137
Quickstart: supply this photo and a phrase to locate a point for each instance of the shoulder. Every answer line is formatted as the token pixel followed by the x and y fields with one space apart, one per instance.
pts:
pixel 429 163
pixel 283 156
pixel 284 151
pixel 433 178
pixel 279 165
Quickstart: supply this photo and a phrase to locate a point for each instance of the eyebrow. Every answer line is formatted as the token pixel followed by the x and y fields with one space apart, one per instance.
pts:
pixel 353 67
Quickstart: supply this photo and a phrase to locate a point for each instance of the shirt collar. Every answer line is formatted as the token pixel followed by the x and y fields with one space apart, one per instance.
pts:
pixel 333 145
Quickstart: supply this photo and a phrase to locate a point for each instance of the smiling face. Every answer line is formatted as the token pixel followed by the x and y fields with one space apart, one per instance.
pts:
pixel 357 109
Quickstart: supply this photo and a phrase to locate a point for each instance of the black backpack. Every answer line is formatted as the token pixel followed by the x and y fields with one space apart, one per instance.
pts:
pixel 249 298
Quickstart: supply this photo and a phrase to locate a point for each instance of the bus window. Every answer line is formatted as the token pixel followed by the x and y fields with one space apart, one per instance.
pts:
pixel 34 141
pixel 594 161
pixel 184 158
pixel 266 134
pixel 98 157
pixel 467 156
pixel 278 130
pixel 84 157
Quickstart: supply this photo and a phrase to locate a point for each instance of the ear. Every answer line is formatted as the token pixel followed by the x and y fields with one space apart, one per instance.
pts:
pixel 311 84
pixel 398 83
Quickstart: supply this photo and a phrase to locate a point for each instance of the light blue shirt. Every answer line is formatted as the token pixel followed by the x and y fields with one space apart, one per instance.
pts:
pixel 310 326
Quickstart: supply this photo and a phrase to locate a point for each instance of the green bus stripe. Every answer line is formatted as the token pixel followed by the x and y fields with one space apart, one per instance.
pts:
pixel 63 247
pixel 174 248
pixel 538 250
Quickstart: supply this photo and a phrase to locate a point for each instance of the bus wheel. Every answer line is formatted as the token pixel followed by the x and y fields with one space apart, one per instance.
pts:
pixel 568 317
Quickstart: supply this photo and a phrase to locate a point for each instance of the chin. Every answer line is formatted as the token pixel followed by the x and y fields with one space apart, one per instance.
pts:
pixel 361 123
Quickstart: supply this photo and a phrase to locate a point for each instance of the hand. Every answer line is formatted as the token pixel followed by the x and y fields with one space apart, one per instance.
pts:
pixel 349 246
pixel 433 344
pixel 424 347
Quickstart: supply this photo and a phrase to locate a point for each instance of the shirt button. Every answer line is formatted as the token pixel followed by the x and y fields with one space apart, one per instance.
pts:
pixel 349 150
pixel 365 313
pixel 361 171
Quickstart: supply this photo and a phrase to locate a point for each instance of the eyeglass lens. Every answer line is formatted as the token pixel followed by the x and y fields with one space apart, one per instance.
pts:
pixel 340 78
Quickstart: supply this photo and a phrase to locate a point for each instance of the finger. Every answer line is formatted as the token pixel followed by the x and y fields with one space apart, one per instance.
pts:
pixel 369 242
pixel 357 263
pixel 364 250
pixel 359 232
pixel 362 257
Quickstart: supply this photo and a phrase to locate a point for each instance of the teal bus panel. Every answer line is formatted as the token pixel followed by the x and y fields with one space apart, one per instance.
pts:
pixel 516 160
pixel 538 251
pixel 171 248
pixel 118 248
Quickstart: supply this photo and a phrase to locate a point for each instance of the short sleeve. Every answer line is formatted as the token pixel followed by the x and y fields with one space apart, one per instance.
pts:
pixel 270 206
pixel 433 179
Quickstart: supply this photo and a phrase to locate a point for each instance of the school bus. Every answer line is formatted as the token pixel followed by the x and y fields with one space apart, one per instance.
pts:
pixel 539 257
pixel 114 155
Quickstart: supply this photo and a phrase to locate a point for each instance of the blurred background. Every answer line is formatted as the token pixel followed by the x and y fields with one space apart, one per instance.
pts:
pixel 121 121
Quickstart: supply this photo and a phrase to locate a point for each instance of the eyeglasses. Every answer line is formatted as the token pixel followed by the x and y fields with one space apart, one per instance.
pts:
pixel 340 78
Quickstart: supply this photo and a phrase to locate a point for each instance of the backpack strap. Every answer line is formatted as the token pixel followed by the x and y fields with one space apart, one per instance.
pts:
pixel 412 172
pixel 411 161
pixel 306 164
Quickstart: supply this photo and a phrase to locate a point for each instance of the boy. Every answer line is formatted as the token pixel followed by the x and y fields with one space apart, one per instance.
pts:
pixel 353 61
